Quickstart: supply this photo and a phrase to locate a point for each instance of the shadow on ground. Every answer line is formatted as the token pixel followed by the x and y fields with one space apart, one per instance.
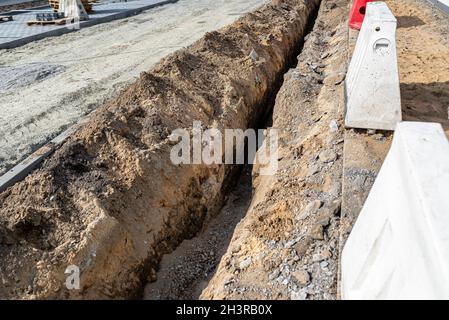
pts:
pixel 428 102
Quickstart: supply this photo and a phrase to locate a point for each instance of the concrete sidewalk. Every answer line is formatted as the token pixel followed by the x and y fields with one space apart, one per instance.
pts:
pixel 17 32
pixel 442 4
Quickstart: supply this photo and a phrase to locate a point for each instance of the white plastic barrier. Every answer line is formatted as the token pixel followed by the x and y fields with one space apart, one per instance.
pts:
pixel 373 98
pixel 399 246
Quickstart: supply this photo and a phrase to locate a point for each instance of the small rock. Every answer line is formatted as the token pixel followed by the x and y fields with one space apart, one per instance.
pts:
pixel 229 281
pixel 302 246
pixel 236 249
pixel 312 208
pixel 333 125
pixel 245 263
pixel 295 74
pixel 324 264
pixel 302 277
pixel 275 274
pixel 323 255
pixel 317 232
pixel 301 295
pixel 290 243
pixel 328 156
pixel 254 55
pixel 280 279
pixel 323 217
pixel 326 254
pixel 325 55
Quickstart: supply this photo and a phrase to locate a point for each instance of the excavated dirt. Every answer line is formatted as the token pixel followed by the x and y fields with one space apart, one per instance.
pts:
pixel 110 201
pixel 286 247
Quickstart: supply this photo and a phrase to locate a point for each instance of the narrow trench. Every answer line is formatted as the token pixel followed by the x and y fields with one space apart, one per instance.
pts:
pixel 186 272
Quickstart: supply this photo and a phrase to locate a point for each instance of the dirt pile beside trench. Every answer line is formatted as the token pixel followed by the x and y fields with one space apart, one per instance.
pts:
pixel 286 247
pixel 110 201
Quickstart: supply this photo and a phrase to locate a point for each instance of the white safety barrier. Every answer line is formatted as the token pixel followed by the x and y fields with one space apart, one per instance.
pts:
pixel 399 246
pixel 373 98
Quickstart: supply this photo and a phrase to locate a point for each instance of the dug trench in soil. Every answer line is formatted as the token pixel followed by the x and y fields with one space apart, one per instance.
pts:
pixel 110 201
pixel 188 269
pixel 286 247
pixel 185 272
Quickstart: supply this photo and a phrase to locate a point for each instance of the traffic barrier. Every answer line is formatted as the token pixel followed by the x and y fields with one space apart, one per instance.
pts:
pixel 399 246
pixel 357 13
pixel 373 98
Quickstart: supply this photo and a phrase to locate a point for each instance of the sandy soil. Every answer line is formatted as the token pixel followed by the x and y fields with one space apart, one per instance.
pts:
pixel 48 85
pixel 110 200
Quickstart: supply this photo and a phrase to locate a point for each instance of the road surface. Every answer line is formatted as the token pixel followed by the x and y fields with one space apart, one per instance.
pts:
pixel 49 85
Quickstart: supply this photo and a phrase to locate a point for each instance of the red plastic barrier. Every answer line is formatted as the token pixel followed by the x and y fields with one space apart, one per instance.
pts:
pixel 357 13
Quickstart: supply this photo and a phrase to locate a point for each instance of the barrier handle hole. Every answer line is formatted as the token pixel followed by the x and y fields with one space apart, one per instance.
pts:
pixel 362 10
pixel 377 29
